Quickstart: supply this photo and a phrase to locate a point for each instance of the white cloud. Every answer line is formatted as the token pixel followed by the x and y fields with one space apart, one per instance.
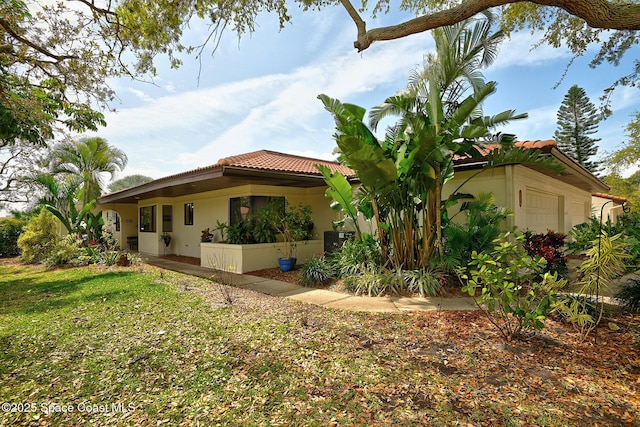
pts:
pixel 518 50
pixel 276 111
pixel 540 124
pixel 140 94
pixel 624 97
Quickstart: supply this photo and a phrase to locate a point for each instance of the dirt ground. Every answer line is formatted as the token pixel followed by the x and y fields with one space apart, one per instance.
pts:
pixel 294 277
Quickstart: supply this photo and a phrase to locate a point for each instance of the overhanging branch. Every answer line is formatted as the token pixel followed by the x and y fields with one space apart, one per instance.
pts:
pixel 596 13
pixel 6 26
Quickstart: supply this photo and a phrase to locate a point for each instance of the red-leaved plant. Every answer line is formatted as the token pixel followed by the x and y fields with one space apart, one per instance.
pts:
pixel 550 246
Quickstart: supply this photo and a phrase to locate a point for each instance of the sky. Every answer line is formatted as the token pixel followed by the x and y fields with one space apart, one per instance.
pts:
pixel 261 92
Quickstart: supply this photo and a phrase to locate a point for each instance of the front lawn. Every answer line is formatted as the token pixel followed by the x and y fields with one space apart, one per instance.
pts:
pixel 140 346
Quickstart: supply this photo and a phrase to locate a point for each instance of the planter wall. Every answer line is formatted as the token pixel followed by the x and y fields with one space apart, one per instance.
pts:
pixel 244 258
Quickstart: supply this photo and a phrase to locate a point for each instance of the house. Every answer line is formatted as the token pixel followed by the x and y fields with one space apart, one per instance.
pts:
pixel 184 204
pixel 607 206
pixel 540 199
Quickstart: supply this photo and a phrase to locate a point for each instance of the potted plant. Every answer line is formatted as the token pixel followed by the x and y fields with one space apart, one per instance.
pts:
pixel 206 236
pixel 166 238
pixel 293 224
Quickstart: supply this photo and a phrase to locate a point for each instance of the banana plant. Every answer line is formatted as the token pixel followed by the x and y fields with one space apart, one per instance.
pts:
pixel 439 117
pixel 79 222
pixel 341 194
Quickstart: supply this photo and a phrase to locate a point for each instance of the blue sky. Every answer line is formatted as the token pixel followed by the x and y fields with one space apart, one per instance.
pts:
pixel 260 92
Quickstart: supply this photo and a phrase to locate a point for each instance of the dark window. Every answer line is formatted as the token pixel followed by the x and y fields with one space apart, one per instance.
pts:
pixel 241 207
pixel 117 222
pixel 167 218
pixel 148 219
pixel 188 214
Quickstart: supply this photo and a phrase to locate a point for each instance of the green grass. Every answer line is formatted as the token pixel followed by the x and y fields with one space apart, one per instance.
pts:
pixel 140 339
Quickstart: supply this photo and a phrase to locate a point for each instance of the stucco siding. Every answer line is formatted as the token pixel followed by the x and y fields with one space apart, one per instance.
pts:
pixel 539 202
pixel 128 221
pixel 491 181
pixel 543 210
pixel 547 203
pixel 208 208
pixel 612 209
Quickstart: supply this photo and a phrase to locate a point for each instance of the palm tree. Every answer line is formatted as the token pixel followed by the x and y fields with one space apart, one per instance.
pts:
pixel 440 117
pixel 89 159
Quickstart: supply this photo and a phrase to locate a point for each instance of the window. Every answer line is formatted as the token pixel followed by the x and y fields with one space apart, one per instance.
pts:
pixel 188 214
pixel 117 221
pixel 241 207
pixel 148 219
pixel 167 218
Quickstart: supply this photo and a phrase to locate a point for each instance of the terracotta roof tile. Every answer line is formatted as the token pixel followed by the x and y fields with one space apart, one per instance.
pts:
pixel 488 148
pixel 618 199
pixel 274 161
pixel 538 143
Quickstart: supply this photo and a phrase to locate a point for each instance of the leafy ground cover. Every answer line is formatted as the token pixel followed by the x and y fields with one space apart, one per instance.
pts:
pixel 141 346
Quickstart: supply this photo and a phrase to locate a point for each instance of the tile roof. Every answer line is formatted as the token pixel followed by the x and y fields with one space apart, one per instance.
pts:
pixel 274 161
pixel 618 199
pixel 539 144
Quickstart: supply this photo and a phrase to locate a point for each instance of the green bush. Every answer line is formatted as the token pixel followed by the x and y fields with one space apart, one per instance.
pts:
pixel 629 293
pixel 481 227
pixel 68 251
pixel 605 262
pixel 10 230
pixel 356 256
pixel 359 264
pixel 513 293
pixel 110 258
pixel 583 234
pixel 239 233
pixel 39 238
pixel 628 225
pixel 374 282
pixel 425 282
pixel 316 271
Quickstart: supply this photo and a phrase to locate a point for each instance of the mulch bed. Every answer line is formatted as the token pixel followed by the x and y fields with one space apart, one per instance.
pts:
pixel 449 291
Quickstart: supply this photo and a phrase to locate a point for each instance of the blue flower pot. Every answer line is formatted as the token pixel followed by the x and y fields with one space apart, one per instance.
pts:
pixel 287 264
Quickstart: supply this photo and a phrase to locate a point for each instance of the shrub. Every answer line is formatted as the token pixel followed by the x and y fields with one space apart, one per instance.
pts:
pixel 629 293
pixel 239 233
pixel 605 261
pixel 481 227
pixel 356 256
pixel 425 282
pixel 374 282
pixel 110 258
pixel 39 238
pixel 261 230
pixel 68 251
pixel 628 225
pixel 10 230
pixel 583 234
pixel 513 292
pixel 316 271
pixel 550 247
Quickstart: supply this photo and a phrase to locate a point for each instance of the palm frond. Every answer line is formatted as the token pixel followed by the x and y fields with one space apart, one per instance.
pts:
pixel 523 156
pixel 398 105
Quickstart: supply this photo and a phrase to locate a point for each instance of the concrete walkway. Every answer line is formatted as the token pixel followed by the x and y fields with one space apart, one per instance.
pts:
pixel 321 297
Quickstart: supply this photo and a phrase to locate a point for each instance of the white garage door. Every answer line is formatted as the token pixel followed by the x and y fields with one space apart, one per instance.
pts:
pixel 543 211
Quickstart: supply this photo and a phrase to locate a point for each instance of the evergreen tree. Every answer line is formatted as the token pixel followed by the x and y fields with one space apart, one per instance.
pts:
pixel 577 119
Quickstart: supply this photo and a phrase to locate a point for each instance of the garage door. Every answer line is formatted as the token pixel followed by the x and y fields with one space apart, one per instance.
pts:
pixel 543 211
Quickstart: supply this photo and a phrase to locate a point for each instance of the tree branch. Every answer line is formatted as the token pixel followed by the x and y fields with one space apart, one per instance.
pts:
pixel 597 13
pixel 7 27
